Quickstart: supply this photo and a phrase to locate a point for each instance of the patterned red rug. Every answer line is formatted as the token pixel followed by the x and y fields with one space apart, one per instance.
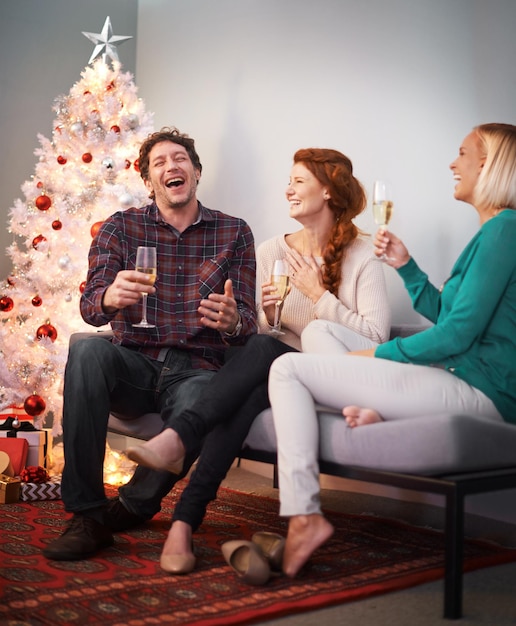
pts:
pixel 125 586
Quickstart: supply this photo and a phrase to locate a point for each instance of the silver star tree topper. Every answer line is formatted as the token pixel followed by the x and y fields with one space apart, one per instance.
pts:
pixel 105 42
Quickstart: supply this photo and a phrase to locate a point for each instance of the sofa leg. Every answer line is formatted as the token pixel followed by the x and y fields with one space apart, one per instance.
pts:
pixel 454 552
pixel 275 481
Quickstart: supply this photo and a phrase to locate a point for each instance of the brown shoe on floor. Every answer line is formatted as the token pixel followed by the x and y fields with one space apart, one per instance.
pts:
pixel 83 538
pixel 117 518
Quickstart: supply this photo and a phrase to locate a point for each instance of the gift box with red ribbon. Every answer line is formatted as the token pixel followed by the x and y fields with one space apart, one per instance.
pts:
pixel 36 484
pixel 16 411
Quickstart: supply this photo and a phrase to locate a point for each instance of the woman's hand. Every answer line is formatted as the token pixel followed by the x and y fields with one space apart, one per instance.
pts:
pixel 269 299
pixel 305 275
pixel 386 243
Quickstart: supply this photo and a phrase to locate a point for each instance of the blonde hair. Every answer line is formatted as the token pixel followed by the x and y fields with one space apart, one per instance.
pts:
pixel 496 185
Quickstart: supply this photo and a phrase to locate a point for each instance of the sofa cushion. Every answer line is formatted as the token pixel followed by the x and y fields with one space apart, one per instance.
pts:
pixel 432 445
pixel 144 427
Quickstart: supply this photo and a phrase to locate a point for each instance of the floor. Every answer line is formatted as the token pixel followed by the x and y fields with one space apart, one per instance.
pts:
pixel 489 597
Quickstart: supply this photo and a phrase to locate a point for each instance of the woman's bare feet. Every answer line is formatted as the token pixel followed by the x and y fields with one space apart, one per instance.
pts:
pixel 177 556
pixel 163 452
pixel 357 416
pixel 305 534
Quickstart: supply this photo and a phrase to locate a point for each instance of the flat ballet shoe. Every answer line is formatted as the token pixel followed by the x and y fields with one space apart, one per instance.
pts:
pixel 177 563
pixel 272 546
pixel 247 560
pixel 147 458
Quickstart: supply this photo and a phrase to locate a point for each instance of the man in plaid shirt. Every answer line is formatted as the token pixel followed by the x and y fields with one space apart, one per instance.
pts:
pixel 202 302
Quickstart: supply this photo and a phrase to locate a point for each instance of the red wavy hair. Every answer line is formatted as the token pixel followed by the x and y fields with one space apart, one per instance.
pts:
pixel 347 200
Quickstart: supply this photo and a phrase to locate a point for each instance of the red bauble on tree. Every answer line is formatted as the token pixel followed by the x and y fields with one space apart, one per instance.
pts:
pixel 82 286
pixel 6 304
pixel 61 160
pixel 37 301
pixel 43 202
pixel 57 224
pixel 86 157
pixel 37 241
pixel 47 330
pixel 34 405
pixel 95 228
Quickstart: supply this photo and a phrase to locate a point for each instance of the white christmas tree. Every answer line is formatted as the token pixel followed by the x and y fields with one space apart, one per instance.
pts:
pixel 86 172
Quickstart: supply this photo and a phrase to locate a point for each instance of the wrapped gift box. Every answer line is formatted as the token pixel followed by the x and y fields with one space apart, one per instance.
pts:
pixel 9 489
pixel 37 440
pixel 40 441
pixel 15 411
pixel 50 490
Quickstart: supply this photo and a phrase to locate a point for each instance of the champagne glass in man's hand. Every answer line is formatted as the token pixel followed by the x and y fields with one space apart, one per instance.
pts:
pixel 146 263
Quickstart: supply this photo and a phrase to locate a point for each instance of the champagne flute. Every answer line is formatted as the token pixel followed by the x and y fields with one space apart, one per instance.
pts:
pixel 146 263
pixel 382 206
pixel 280 280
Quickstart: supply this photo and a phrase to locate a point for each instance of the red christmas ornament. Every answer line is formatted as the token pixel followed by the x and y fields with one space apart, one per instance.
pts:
pixel 43 202
pixel 127 164
pixel 86 93
pixel 61 160
pixel 6 304
pixel 11 281
pixel 82 286
pixel 47 330
pixel 137 165
pixel 37 301
pixel 110 86
pixel 115 128
pixel 57 225
pixel 39 185
pixel 37 240
pixel 34 405
pixel 95 228
pixel 86 157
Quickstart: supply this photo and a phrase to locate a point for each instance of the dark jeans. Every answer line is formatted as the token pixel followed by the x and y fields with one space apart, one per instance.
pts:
pixel 101 377
pixel 231 400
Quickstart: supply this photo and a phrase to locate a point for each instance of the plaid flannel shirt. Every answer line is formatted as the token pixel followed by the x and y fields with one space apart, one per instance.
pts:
pixel 191 265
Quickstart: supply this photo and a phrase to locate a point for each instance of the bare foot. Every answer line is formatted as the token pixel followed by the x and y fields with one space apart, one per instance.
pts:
pixel 306 533
pixel 357 416
pixel 177 556
pixel 163 452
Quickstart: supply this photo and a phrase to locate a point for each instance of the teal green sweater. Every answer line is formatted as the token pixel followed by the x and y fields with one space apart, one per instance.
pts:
pixel 474 315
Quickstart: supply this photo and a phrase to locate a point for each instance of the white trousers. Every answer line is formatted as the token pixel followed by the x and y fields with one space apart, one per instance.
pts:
pixel 326 337
pixel 297 381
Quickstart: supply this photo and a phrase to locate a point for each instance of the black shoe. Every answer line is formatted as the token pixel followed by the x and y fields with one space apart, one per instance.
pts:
pixel 117 518
pixel 83 538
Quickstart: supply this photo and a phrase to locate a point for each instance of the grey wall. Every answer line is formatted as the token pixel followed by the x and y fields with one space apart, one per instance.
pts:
pixel 395 84
pixel 42 55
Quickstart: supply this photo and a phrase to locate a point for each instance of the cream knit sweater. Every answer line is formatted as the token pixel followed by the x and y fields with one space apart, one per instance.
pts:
pixel 362 304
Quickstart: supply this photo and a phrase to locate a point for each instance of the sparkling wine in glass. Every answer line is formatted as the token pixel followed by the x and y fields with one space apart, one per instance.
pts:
pixel 146 262
pixel 383 205
pixel 280 280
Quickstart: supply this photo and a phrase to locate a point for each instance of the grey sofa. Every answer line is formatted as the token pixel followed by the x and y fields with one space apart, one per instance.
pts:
pixel 450 455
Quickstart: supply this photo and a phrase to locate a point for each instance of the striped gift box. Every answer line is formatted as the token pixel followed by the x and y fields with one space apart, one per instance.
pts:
pixel 50 490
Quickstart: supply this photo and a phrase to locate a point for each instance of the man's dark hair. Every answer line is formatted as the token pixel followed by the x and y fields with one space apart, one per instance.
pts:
pixel 167 134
